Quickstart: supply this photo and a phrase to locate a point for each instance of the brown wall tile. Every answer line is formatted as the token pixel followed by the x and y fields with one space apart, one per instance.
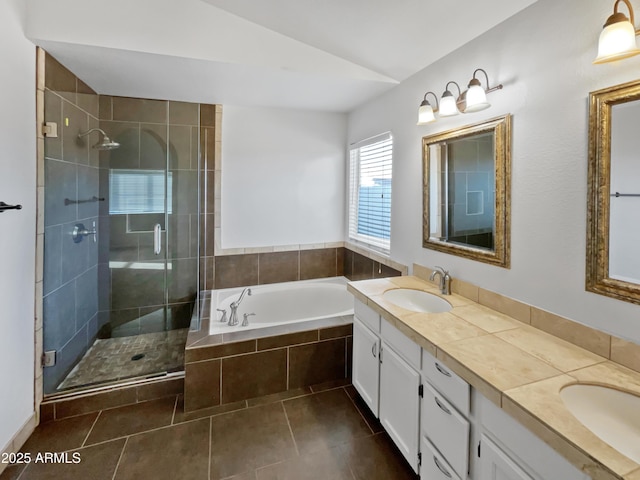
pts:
pixel 278 267
pixel 104 106
pixel 59 79
pixel 93 403
pixel 236 270
pixel 317 363
pixel 336 332
pixel 320 263
pixel 201 385
pixel 340 253
pixel 207 115
pixel 217 351
pixel 183 113
pixel 254 375
pixel 625 353
pixel 128 109
pixel 347 264
pixel 362 267
pixel 286 340
pixel 155 390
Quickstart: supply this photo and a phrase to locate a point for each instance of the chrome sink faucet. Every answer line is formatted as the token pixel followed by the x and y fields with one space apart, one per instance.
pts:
pixel 445 280
pixel 233 317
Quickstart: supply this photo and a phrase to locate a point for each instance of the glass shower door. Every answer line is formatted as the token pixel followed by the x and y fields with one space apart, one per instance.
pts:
pixel 146 277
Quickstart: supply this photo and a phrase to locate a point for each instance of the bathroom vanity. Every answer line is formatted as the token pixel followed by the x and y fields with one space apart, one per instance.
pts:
pixel 462 396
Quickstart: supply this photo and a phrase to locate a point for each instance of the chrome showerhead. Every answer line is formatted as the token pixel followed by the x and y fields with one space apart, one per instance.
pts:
pixel 105 144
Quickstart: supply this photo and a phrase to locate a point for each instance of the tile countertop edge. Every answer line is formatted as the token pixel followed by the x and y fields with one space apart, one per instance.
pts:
pixel 575 454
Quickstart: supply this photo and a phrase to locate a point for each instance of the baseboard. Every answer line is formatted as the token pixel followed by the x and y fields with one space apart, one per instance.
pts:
pixel 19 439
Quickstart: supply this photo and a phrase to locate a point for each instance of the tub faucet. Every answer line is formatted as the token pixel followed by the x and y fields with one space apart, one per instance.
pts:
pixel 445 280
pixel 233 317
pixel 245 322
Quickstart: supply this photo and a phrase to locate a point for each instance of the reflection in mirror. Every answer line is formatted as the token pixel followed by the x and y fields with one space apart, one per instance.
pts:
pixel 624 235
pixel 613 235
pixel 466 191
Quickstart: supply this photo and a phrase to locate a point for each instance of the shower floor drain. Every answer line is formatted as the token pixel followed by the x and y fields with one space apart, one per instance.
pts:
pixel 137 356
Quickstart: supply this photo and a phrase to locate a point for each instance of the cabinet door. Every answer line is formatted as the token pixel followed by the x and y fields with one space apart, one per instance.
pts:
pixel 496 465
pixel 399 403
pixel 366 366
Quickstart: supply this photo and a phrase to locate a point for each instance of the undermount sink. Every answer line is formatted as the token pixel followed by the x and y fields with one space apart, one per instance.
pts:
pixel 609 413
pixel 416 300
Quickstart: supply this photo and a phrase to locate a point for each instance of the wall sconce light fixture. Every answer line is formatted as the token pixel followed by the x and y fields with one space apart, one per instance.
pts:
pixel 448 107
pixel 471 100
pixel 475 98
pixel 426 113
pixel 618 37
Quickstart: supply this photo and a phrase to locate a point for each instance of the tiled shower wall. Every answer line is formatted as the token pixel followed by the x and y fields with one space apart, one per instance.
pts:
pixel 70 284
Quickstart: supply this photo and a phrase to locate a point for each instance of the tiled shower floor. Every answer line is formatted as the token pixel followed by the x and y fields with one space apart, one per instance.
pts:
pixel 111 359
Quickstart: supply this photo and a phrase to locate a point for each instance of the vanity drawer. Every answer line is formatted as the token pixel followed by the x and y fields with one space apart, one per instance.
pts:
pixel 433 466
pixel 447 430
pixel 454 388
pixel 367 316
pixel 403 346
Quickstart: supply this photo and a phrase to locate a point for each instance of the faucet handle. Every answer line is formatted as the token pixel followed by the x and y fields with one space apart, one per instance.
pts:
pixel 245 321
pixel 223 318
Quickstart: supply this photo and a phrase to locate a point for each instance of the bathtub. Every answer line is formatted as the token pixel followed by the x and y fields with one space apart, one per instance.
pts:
pixel 282 303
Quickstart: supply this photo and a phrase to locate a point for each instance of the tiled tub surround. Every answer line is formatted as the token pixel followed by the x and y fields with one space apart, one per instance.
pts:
pixel 226 368
pixel 490 341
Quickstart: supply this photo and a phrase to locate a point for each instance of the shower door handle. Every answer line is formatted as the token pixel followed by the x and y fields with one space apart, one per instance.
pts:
pixel 157 239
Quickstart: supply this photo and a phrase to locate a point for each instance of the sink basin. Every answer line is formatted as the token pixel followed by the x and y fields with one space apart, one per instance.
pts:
pixel 416 300
pixel 609 413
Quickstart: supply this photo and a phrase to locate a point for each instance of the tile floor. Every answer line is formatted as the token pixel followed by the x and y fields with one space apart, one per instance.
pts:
pixel 110 359
pixel 322 433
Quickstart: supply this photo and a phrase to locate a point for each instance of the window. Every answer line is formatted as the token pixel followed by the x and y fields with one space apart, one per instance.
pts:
pixel 370 192
pixel 139 191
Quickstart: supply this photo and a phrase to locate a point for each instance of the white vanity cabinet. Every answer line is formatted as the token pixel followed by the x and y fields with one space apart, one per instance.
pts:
pixel 509 451
pixel 386 373
pixel 445 426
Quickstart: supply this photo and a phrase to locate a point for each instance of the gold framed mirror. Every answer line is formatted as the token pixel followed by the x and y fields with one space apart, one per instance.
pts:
pixel 467 191
pixel 613 214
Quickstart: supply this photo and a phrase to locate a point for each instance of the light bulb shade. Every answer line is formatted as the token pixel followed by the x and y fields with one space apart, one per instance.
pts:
pixel 476 99
pixel 448 106
pixel 425 114
pixel 617 41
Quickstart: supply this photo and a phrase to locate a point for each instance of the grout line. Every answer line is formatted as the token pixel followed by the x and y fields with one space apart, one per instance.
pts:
pixel 358 410
pixel 175 407
pixel 288 353
pixel 295 444
pixel 91 429
pixel 210 447
pixel 120 458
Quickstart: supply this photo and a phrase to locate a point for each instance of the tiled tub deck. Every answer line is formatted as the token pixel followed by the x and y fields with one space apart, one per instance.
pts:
pixel 227 368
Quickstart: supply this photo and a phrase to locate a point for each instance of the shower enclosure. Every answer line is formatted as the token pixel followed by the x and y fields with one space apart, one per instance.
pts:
pixel 121 188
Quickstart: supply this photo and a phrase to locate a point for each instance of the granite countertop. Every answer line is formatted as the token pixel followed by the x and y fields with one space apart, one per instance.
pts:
pixel 518 367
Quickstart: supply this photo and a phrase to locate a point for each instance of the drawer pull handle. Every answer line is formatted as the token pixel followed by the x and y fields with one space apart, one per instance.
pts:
pixel 373 350
pixel 441 468
pixel 442 407
pixel 442 370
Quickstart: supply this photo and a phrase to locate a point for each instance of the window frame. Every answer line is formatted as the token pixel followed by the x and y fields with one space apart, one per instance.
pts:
pixel 377 244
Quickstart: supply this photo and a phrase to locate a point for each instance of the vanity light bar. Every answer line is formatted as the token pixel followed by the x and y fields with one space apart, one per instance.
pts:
pixel 474 99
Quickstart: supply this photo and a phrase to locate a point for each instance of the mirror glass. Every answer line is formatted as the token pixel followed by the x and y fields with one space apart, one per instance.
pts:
pixel 466 191
pixel 613 266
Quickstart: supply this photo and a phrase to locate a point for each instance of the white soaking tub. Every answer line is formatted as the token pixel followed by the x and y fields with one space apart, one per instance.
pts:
pixel 282 303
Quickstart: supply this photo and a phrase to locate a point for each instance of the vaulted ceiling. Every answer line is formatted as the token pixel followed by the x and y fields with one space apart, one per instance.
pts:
pixel 314 54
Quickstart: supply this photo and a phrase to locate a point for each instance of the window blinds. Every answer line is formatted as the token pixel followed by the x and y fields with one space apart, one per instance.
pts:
pixel 139 191
pixel 370 175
